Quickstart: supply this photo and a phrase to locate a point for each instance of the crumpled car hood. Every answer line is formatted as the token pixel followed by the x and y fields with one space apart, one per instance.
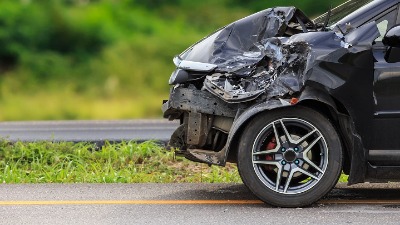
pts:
pixel 267 53
pixel 236 46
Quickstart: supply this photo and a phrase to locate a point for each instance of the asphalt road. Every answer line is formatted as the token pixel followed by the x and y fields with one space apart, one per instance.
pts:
pixel 93 131
pixel 188 204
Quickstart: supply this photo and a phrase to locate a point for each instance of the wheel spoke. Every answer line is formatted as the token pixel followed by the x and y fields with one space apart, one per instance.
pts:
pixel 278 144
pixel 278 177
pixel 279 172
pixel 288 179
pixel 266 152
pixel 287 135
pixel 292 172
pixel 309 162
pixel 265 162
pixel 301 170
pixel 304 137
pixel 305 155
pixel 308 148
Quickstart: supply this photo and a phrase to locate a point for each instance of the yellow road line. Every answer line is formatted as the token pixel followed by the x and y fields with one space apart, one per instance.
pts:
pixel 133 202
pixel 185 202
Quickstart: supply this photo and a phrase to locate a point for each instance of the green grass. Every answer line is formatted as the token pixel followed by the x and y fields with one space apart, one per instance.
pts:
pixel 127 162
pixel 343 178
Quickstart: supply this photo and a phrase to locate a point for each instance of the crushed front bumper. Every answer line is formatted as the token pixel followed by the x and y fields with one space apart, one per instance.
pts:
pixel 201 113
pixel 196 101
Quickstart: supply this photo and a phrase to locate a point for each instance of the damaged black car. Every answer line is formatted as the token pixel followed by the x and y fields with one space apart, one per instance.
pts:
pixel 293 101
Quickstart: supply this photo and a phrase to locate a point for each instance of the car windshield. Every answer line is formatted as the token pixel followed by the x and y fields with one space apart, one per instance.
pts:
pixel 341 11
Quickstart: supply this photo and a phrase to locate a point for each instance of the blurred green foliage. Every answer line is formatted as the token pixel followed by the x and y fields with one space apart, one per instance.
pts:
pixel 104 59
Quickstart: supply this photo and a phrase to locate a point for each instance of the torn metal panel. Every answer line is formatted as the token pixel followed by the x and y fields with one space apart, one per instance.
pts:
pixel 361 39
pixel 280 72
pixel 193 100
pixel 232 91
pixel 226 48
pixel 233 88
pixel 209 157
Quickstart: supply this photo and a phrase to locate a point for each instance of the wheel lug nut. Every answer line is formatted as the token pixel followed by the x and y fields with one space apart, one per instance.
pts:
pixel 283 162
pixel 297 161
pixel 296 149
pixel 283 149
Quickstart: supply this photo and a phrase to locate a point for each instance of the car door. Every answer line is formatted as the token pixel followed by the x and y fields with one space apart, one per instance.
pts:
pixel 386 92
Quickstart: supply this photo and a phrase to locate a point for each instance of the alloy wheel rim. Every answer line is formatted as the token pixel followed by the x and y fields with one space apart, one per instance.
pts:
pixel 290 156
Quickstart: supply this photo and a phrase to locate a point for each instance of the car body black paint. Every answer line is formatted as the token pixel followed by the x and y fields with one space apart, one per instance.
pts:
pixel 354 79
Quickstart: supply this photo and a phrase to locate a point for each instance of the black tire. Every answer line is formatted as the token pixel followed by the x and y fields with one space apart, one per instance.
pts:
pixel 309 159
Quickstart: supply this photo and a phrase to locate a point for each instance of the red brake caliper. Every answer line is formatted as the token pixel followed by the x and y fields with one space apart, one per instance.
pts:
pixel 271 145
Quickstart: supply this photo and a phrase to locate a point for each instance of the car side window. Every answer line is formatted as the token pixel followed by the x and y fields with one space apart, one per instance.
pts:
pixel 385 23
pixel 382 27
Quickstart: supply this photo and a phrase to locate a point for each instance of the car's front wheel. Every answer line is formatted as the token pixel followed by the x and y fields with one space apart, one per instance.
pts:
pixel 290 157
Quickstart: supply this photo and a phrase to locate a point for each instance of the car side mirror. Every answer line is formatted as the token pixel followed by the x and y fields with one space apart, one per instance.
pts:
pixel 392 37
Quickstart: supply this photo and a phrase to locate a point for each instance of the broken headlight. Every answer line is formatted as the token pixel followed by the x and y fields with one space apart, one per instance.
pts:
pixel 178 76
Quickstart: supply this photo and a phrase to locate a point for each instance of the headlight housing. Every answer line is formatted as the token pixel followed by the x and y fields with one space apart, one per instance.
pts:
pixel 178 76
